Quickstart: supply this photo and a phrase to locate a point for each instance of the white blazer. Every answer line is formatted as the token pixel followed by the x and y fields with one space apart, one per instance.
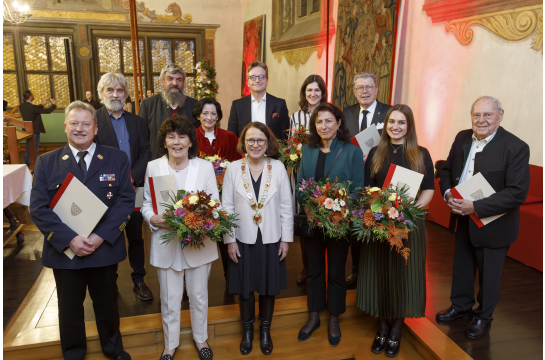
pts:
pixel 200 176
pixel 277 211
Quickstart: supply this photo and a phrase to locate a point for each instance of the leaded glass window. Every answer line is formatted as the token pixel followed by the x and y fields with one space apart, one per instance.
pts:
pixel 10 87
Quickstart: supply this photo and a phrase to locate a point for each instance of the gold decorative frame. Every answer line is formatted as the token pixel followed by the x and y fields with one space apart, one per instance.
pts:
pixel 299 56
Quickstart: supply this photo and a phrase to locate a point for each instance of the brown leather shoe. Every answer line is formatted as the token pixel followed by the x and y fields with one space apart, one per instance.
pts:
pixel 302 278
pixel 352 278
pixel 142 290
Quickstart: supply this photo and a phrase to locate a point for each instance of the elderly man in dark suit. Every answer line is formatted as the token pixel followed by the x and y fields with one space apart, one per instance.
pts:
pixel 96 257
pixel 169 102
pixel 359 117
pixel 31 112
pixel 123 130
pixel 502 159
pixel 259 105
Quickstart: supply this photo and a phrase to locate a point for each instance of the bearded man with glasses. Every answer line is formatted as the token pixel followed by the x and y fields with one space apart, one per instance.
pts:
pixel 259 105
pixel 503 160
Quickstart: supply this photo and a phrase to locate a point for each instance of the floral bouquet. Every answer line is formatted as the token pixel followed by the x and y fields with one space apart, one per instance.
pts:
pixel 195 216
pixel 327 203
pixel 290 151
pixel 205 82
pixel 220 165
pixel 385 215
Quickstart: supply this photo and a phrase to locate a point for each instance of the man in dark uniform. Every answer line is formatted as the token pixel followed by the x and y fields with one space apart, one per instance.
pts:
pixel 503 160
pixel 123 130
pixel 359 117
pixel 169 102
pixel 89 100
pixel 31 112
pixel 105 171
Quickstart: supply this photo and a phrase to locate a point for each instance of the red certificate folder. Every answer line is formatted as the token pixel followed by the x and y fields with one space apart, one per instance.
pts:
pixel 161 188
pixel 475 188
pixel 367 139
pixel 77 207
pixel 139 199
pixel 400 177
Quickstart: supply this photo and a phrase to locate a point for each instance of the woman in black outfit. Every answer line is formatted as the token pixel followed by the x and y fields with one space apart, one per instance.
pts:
pixel 387 287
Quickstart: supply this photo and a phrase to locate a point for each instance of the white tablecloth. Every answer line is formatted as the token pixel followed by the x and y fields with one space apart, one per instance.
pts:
pixel 17 184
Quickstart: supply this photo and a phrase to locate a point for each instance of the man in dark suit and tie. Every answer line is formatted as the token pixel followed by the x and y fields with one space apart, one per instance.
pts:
pixel 259 105
pixel 359 117
pixel 123 130
pixel 31 112
pixel 503 160
pixel 169 102
pixel 105 171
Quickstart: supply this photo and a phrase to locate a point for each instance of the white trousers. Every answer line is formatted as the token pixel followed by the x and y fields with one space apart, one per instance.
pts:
pixel 172 288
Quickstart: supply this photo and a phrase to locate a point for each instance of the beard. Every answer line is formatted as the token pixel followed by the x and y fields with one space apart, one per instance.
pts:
pixel 174 97
pixel 114 105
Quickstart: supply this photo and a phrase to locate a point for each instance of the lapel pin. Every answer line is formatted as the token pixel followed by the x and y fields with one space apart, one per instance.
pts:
pixel 65 157
pixel 100 157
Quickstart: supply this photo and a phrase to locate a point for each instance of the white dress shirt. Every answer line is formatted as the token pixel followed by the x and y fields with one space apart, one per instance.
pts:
pixel 258 109
pixel 369 118
pixel 210 136
pixel 173 107
pixel 476 147
pixel 88 157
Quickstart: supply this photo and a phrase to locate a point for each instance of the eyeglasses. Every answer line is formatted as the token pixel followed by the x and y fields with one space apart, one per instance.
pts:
pixel 360 89
pixel 75 124
pixel 260 142
pixel 255 77
pixel 487 116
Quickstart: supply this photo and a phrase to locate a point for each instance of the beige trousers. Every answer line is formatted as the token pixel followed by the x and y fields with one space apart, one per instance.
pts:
pixel 172 288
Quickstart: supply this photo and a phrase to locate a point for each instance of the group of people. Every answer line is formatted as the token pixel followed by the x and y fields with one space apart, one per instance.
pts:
pixel 167 137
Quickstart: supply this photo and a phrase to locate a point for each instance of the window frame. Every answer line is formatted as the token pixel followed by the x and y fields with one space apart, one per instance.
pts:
pixel 15 71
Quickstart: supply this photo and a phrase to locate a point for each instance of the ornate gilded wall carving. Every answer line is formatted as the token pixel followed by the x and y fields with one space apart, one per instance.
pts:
pixel 173 9
pixel 299 56
pixel 513 25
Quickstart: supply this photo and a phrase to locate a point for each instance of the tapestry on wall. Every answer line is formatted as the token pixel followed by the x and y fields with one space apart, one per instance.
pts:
pixel 366 40
pixel 252 47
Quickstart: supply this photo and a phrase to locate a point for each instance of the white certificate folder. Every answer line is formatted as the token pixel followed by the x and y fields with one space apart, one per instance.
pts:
pixel 77 207
pixel 475 188
pixel 367 139
pixel 162 190
pixel 402 177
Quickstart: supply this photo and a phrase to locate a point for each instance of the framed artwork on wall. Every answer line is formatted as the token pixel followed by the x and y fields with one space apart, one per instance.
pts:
pixel 366 41
pixel 252 47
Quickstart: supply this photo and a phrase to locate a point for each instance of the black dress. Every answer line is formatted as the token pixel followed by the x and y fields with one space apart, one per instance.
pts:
pixel 258 268
pixel 387 287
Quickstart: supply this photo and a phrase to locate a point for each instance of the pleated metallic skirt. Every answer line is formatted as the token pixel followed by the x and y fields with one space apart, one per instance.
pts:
pixel 387 286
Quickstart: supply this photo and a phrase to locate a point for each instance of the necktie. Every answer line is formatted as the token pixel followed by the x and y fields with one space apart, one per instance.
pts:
pixel 363 125
pixel 81 162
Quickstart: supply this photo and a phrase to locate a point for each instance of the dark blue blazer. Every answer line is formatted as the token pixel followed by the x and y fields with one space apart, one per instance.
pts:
pixel 349 165
pixel 50 172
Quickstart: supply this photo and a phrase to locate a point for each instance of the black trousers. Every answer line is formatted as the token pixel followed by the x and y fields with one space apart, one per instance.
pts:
pixel 224 252
pixel 355 250
pixel 337 251
pixel 467 259
pixel 71 290
pixel 137 257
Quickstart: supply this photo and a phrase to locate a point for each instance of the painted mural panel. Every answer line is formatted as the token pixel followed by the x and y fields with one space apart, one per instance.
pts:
pixel 252 47
pixel 365 42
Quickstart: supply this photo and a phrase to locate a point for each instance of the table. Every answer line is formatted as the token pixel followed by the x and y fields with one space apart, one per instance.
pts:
pixel 17 185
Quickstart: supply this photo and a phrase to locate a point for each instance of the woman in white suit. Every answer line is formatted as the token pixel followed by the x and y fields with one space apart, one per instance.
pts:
pixel 178 141
pixel 257 189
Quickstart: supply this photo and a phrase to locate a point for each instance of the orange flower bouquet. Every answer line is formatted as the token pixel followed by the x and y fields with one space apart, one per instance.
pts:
pixel 290 151
pixel 195 216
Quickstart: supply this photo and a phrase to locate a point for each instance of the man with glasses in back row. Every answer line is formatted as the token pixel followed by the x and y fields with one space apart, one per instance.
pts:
pixel 259 105
pixel 359 117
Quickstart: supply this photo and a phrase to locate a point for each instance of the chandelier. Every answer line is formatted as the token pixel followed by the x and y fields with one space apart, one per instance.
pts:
pixel 18 12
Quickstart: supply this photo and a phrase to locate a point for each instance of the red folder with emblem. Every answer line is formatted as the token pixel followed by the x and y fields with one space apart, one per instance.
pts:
pixel 367 139
pixel 162 190
pixel 77 207
pixel 404 178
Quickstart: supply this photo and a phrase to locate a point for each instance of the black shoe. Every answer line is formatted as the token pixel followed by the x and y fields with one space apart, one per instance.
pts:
pixel 265 337
pixel 333 340
pixel 392 347
pixel 247 315
pixel 142 290
pixel 167 357
pixel 303 336
pixel 379 344
pixel 204 353
pixel 124 356
pixel 451 314
pixel 352 278
pixel 478 329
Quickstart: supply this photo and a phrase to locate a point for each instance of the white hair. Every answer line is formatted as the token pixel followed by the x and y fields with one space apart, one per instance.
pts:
pixel 365 75
pixel 111 79
pixel 79 105
pixel 497 104
pixel 173 69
